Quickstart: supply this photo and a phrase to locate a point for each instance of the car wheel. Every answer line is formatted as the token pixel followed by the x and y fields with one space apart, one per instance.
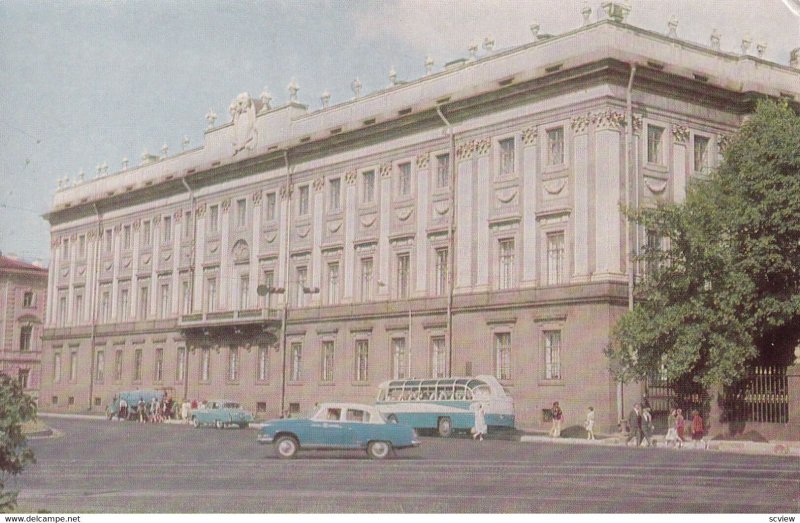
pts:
pixel 445 427
pixel 391 418
pixel 286 446
pixel 379 449
pixel 219 424
pixel 195 422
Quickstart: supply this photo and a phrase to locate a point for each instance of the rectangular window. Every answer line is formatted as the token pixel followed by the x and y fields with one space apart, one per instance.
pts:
pixel 147 233
pixel 701 154
pixel 502 345
pixel 100 366
pixel 137 365
pixel 25 336
pixel 27 299
pixel 366 279
pixel 118 365
pixel 233 364
pixel 241 213
pixel 65 249
pixel 109 238
pixel 654 145
pixel 334 194
pixel 244 291
pixel 555 258
pixel 62 310
pixel 399 359
pixel 302 200
pixel 362 360
pixel 440 272
pixel 126 237
pixel 124 304
pixel 295 361
pixel 164 300
pixel 506 258
pixel 438 357
pixel 158 370
pixel 403 274
pixel 82 246
pixel 368 187
pixel 187 225
pixel 333 283
pixel 166 229
pixel 507 166
pixel 263 364
pixel 144 301
pixel 269 282
pixel 78 314
pixel 57 367
pixel 404 179
pixel 302 275
pixel 211 294
pixel 205 364
pixel 552 355
pixel 213 218
pixel 186 297
pixel 269 206
pixel 442 171
pixel 180 365
pixel 555 146
pixel 327 361
pixel 105 305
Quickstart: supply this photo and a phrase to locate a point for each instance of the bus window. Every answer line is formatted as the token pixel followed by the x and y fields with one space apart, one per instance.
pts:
pixel 482 391
pixel 467 394
pixel 459 393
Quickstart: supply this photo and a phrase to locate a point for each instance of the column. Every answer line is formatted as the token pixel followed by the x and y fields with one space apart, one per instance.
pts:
pixel 581 205
pixel 421 242
pixel 384 217
pixel 528 189
pixel 462 263
pixel 608 194
pixel 350 218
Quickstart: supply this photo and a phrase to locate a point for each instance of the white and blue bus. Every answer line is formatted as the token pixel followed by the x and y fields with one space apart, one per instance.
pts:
pixel 446 404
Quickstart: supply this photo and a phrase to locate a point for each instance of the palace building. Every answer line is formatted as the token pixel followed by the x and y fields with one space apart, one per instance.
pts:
pixel 467 222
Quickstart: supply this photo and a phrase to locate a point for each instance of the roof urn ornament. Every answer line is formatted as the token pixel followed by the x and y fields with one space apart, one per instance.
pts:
pixel 266 99
pixel 473 52
pixel 164 150
pixel 325 98
pixel 672 26
pixel 716 36
pixel 125 163
pixel 746 41
pixel 761 48
pixel 211 117
pixel 535 27
pixel 488 43
pixel 185 142
pixel 355 85
pixel 293 88
pixel 99 172
pixel 80 176
pixel 586 11
pixel 428 65
pixel 617 11
pixel 104 167
pixel 392 76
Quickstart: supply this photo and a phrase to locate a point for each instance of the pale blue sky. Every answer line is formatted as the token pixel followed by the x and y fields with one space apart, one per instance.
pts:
pixel 87 82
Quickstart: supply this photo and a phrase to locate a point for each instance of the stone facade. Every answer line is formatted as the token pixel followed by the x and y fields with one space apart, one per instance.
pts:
pixel 507 173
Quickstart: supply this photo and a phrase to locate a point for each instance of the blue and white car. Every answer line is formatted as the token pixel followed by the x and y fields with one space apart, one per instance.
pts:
pixel 336 426
pixel 220 414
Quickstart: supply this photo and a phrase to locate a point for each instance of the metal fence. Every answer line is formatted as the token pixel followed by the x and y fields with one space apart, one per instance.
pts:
pixel 762 397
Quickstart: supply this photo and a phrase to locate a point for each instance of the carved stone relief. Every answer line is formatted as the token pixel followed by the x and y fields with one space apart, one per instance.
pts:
pixel 243 113
pixel 241 252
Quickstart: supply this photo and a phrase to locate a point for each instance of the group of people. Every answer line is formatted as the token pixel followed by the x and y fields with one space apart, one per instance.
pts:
pixel 557 419
pixel 156 410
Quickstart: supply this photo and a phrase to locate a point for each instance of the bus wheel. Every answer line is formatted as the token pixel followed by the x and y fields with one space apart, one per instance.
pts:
pixel 391 418
pixel 445 427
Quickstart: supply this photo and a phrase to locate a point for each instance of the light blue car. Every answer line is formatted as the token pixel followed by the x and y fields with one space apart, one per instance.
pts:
pixel 221 414
pixel 337 426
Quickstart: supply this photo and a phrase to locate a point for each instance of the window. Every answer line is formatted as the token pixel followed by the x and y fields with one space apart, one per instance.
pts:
pixel 105 305
pixel 362 360
pixel 506 156
pixel 65 249
pixel 27 299
pixel 166 229
pixel 438 357
pixel 440 272
pixel 368 187
pixel 118 365
pixel 502 346
pixel 62 310
pixel 555 146
pixel 213 218
pixel 295 360
pixel 241 213
pixel 302 200
pixel 137 365
pixel 403 274
pixel 78 314
pixel 442 171
pixel 126 237
pixel 180 367
pixel 144 301
pixel 100 366
pixel 23 376
pixel 164 300
pixel 233 364
pixel 211 294
pixel 269 281
pixel 302 275
pixel 333 283
pixel 269 206
pixel 187 225
pixel 506 258
pixel 73 366
pixel 57 367
pixel 555 258
pixel 205 363
pixel 124 304
pixel 552 355
pixel 404 179
pixel 399 359
pixel 82 246
pixel 158 370
pixel 109 240
pixel 366 279
pixel 186 297
pixel 327 361
pixel 654 144
pixel 263 364
pixel 147 234
pixel 244 291
pixel 25 336
pixel 334 194
pixel 700 154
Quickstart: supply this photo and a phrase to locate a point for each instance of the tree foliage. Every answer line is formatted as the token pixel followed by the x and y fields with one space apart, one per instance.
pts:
pixel 16 408
pixel 723 291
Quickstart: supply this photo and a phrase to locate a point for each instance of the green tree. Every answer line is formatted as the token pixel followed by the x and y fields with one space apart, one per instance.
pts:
pixel 723 291
pixel 16 408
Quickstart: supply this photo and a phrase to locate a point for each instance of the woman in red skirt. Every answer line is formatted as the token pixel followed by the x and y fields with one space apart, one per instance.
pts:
pixel 697 428
pixel 680 425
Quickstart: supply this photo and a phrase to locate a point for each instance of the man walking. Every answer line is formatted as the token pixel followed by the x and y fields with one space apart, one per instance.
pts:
pixel 635 421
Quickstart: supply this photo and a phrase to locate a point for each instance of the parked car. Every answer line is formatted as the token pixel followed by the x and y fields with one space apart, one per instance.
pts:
pixel 220 414
pixel 338 426
pixel 129 400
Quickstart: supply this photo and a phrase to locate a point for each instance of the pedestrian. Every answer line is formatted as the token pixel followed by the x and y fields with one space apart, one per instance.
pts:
pixel 590 423
pixel 558 418
pixel 680 427
pixel 698 430
pixel 480 429
pixel 140 410
pixel 123 409
pixel 194 404
pixel 671 439
pixel 154 410
pixel 647 426
pixel 635 421
pixel 185 406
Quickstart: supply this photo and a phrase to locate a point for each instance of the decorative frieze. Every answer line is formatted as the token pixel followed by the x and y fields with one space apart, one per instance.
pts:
pixel 286 191
pixel 200 210
pixel 136 224
pixel 350 177
pixel 580 123
pixel 530 135
pixel 680 134
pixel 156 220
pixel 74 237
pixel 117 228
pixel 91 235
pixel 177 215
pixel 422 160
pixel 473 148
pixel 319 183
pixel 609 119
pixel 256 197
pixel 226 205
pixel 386 170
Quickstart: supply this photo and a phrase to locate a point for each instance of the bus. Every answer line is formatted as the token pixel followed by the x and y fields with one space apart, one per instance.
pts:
pixel 446 404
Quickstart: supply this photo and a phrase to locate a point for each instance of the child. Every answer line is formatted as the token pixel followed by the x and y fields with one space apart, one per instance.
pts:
pixel 590 423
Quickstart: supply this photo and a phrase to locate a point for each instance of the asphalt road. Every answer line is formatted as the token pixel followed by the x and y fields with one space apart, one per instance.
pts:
pixel 100 466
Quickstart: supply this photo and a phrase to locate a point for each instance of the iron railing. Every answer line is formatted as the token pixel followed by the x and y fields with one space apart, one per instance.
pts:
pixel 761 397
